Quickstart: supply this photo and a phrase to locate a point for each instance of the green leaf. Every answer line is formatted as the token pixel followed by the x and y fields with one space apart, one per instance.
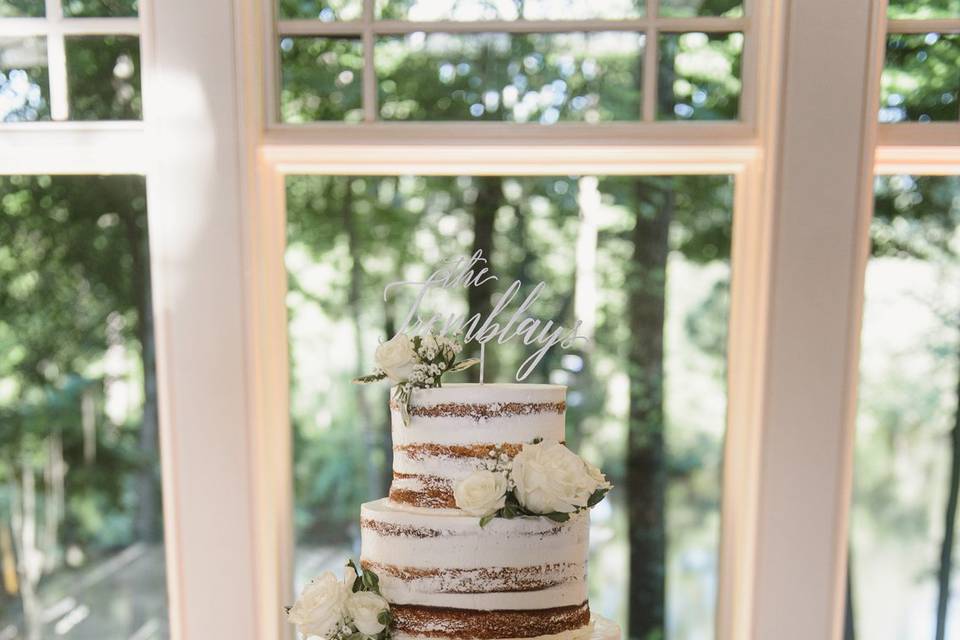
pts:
pixel 352 565
pixel 376 376
pixel 537 440
pixel 371 581
pixel 596 497
pixel 357 584
pixel 463 365
pixel 485 520
pixel 385 618
pixel 556 516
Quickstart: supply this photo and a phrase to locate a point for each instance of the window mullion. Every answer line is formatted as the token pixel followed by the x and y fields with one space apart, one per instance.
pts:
pixel 57 61
pixel 651 57
pixel 369 69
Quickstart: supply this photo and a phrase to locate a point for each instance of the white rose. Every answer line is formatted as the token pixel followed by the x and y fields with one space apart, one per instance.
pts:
pixel 481 493
pixel 396 358
pixel 549 477
pixel 320 607
pixel 364 608
pixel 598 477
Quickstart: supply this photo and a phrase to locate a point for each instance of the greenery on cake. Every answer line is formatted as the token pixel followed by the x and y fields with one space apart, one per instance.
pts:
pixel 348 609
pixel 417 362
pixel 544 479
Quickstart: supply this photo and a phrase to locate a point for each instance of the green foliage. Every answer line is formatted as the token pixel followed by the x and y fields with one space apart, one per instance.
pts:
pixel 103 73
pixel 688 8
pixel 68 294
pixel 100 8
pixel 923 9
pixel 699 76
pixel 21 9
pixel 321 79
pixel 322 9
pixel 522 78
pixel 920 80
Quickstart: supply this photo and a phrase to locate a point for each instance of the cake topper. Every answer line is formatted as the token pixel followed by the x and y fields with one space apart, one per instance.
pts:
pixel 500 324
pixel 423 350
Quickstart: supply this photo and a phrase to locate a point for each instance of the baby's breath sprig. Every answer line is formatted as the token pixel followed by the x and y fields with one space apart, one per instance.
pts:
pixel 415 363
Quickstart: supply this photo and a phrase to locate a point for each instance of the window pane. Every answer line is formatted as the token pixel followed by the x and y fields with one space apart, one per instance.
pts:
pixel 81 547
pixel 507 9
pixel 907 447
pixel 687 8
pixel 21 9
pixel 589 239
pixel 24 87
pixel 541 78
pixel 924 9
pixel 103 74
pixel 326 11
pixel 99 8
pixel 699 76
pixel 322 79
pixel 920 80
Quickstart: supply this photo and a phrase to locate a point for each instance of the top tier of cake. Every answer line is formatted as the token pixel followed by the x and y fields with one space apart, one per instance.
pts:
pixel 457 429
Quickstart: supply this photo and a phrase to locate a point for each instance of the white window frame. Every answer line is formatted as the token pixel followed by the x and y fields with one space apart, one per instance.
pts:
pixel 215 162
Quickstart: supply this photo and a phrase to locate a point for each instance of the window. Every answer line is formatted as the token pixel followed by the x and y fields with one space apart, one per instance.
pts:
pixel 81 549
pixel 536 62
pixel 69 60
pixel 907 452
pixel 589 238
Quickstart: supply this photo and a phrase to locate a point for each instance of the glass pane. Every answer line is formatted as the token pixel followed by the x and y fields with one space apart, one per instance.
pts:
pixel 99 8
pixel 920 80
pixel 24 86
pixel 924 9
pixel 424 10
pixel 103 74
pixel 689 8
pixel 321 79
pixel 699 76
pixel 907 444
pixel 21 9
pixel 81 546
pixel 542 78
pixel 586 237
pixel 326 11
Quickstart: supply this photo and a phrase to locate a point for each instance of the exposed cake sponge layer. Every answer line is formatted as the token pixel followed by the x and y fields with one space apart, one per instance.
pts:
pixel 442 560
pixel 459 428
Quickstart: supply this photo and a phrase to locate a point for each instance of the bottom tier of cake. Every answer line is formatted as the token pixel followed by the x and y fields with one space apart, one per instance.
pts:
pixel 446 577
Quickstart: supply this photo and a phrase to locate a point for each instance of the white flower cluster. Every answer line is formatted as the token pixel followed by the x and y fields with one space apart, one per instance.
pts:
pixel 330 609
pixel 545 478
pixel 419 361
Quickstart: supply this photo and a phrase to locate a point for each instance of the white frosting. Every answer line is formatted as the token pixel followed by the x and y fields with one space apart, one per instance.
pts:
pixel 438 541
pixel 412 442
pixel 469 392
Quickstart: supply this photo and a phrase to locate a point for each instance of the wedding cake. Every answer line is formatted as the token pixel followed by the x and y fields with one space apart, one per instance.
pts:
pixel 484 534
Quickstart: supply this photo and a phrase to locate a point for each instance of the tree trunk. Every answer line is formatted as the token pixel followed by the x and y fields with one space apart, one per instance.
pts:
pixel 849 628
pixel 489 198
pixel 949 526
pixel 148 519
pixel 646 463
pixel 386 437
pixel 365 416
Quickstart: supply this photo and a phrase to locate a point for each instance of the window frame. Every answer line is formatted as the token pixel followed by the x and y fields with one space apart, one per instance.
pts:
pixel 217 242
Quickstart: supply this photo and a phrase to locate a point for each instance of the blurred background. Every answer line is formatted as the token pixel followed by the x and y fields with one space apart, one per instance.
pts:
pixel 643 261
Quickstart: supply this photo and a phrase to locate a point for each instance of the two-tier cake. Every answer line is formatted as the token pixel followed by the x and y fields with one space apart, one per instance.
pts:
pixel 485 532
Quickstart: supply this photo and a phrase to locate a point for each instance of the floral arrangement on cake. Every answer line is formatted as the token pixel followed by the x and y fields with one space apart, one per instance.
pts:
pixel 417 362
pixel 348 609
pixel 543 479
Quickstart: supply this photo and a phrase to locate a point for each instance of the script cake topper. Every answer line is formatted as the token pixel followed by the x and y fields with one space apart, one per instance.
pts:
pixel 500 323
